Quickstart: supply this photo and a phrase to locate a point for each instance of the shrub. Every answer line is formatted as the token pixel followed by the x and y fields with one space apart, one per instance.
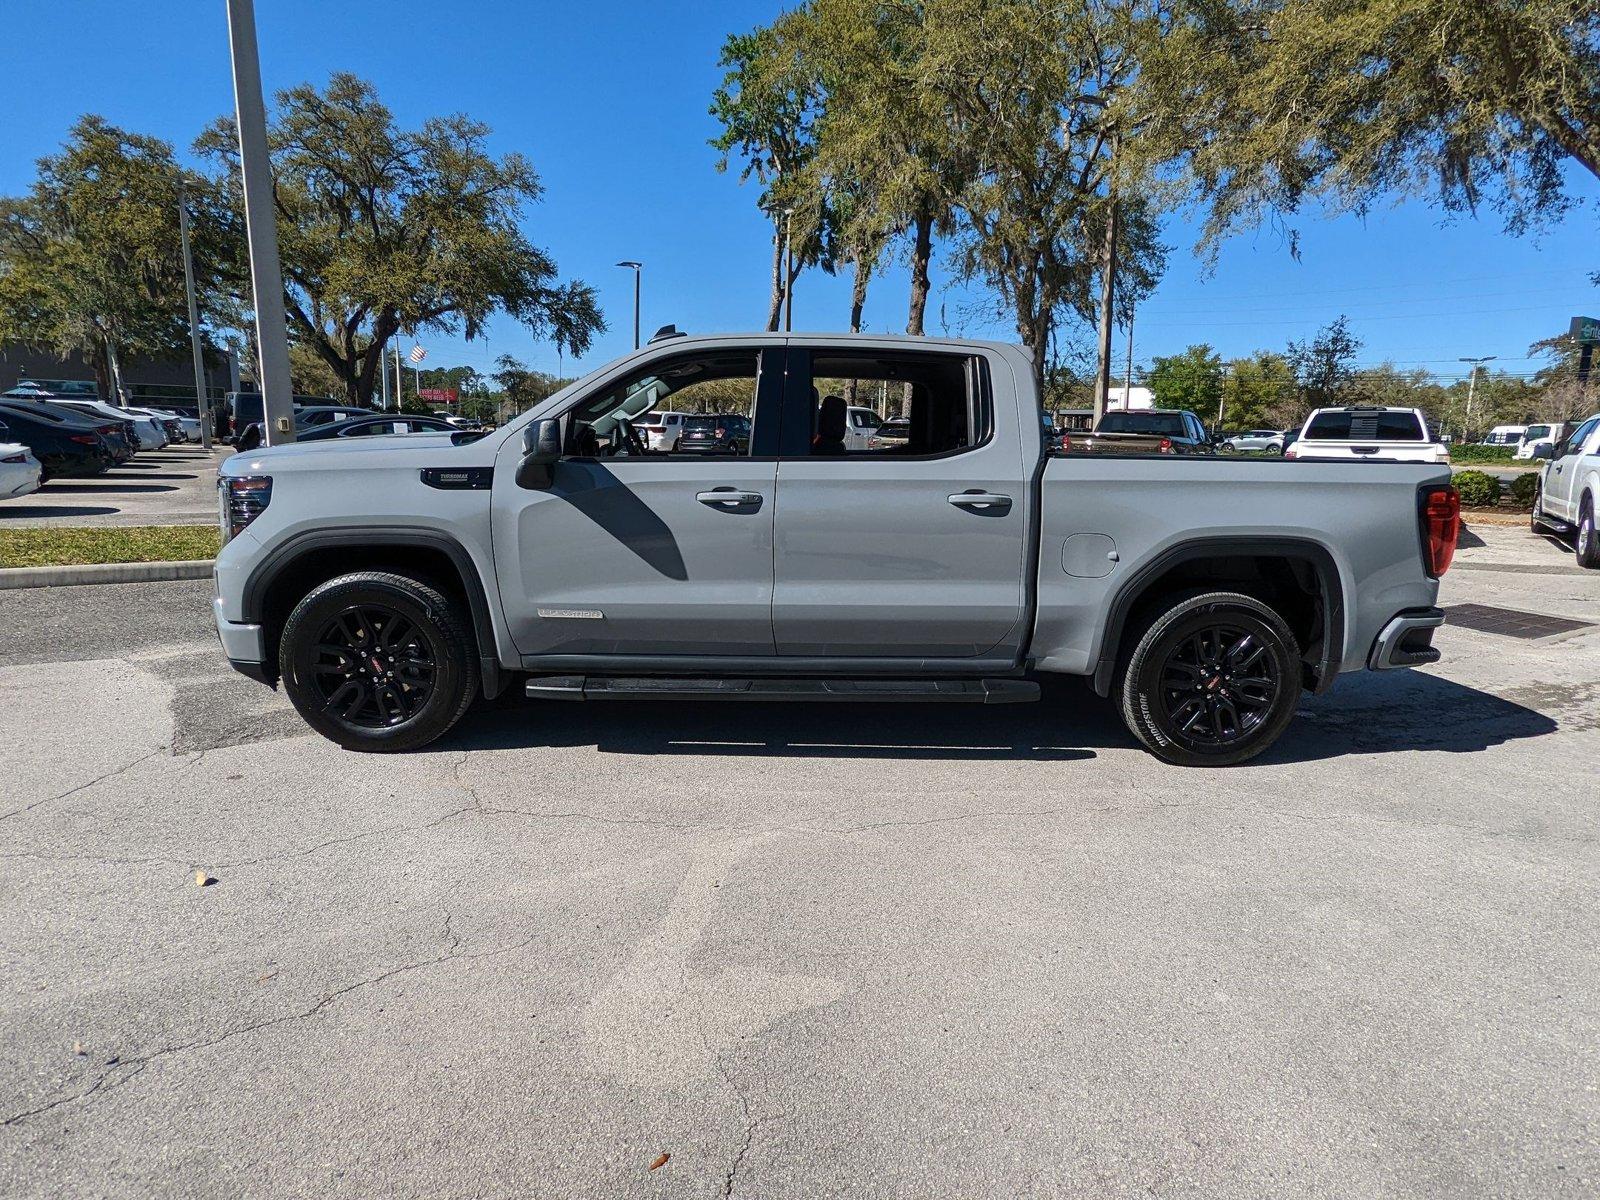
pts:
pixel 1523 487
pixel 1477 489
pixel 1482 454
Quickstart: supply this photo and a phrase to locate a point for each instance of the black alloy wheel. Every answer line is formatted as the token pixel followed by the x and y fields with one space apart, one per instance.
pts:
pixel 1212 679
pixel 379 661
pixel 1218 685
pixel 373 667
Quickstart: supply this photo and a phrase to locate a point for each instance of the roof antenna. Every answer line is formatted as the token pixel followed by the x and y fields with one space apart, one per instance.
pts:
pixel 665 333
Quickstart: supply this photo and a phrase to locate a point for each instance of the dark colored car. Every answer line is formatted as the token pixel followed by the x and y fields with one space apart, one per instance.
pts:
pixel 376 426
pixel 239 410
pixel 65 443
pixel 722 433
pixel 118 431
pixel 305 419
pixel 1144 431
pixel 891 435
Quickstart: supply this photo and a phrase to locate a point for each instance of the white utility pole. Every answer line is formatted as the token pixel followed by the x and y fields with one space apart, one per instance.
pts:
pixel 266 277
pixel 788 271
pixel 1472 389
pixel 202 398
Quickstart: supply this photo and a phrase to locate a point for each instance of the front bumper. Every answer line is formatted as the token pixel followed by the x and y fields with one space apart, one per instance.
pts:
pixel 243 644
pixel 1407 640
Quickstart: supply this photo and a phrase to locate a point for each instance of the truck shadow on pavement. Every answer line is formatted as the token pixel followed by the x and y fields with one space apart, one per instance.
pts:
pixel 1364 714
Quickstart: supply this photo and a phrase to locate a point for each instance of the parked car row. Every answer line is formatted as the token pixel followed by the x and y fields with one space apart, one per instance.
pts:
pixel 71 433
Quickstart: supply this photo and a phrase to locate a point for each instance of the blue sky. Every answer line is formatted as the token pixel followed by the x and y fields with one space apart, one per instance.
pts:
pixel 609 102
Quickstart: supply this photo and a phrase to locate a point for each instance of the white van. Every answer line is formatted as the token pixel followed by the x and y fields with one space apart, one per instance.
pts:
pixel 1504 435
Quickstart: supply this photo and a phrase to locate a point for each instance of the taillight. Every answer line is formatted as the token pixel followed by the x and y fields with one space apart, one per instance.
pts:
pixel 84 439
pixel 244 498
pixel 1291 452
pixel 1066 443
pixel 15 458
pixel 1441 527
pixel 1166 445
pixel 721 432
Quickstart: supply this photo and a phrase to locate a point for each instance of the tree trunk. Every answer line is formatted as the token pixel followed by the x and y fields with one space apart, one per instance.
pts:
pixel 858 293
pixel 1108 284
pixel 101 364
pixel 775 309
pixel 921 252
pixel 367 367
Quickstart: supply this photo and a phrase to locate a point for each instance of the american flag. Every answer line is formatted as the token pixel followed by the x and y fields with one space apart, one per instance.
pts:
pixel 417 354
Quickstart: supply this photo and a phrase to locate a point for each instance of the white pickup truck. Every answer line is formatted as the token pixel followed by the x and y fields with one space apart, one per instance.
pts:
pixel 1368 432
pixel 387 580
pixel 1569 491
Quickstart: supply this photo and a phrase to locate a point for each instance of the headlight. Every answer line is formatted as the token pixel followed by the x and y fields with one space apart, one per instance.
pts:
pixel 244 498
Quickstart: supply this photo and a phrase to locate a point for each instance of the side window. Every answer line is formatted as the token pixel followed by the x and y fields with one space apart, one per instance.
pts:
pixel 933 400
pixel 714 390
pixel 1575 441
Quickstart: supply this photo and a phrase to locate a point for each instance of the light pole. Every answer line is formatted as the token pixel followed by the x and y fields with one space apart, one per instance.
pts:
pixel 637 269
pixel 202 398
pixel 266 277
pixel 1472 388
pixel 788 271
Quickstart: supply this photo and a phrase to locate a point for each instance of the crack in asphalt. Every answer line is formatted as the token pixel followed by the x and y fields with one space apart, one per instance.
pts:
pixel 113 1079
pixel 72 791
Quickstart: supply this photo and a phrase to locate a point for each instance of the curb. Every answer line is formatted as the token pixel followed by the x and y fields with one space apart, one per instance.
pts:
pixel 136 572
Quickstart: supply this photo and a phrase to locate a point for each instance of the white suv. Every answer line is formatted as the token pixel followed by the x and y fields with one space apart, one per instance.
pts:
pixel 1368 432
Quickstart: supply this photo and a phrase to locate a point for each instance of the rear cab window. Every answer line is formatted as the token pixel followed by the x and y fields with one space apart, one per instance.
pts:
pixel 1360 426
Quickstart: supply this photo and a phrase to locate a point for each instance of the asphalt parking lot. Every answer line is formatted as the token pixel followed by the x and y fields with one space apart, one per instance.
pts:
pixel 803 951
pixel 172 486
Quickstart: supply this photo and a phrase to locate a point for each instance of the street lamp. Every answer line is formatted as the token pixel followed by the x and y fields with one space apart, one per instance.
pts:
pixel 788 272
pixel 1472 387
pixel 636 268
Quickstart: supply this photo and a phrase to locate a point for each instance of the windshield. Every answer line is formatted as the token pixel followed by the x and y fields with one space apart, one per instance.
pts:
pixel 1153 424
pixel 1534 432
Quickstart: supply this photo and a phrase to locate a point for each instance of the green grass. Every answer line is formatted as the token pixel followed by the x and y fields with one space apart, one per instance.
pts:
pixel 62 546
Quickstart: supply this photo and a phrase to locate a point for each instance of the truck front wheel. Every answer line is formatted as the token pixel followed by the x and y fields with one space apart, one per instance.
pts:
pixel 378 662
pixel 1212 681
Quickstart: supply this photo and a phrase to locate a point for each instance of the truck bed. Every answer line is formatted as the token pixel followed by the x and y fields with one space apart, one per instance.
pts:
pixel 1099 512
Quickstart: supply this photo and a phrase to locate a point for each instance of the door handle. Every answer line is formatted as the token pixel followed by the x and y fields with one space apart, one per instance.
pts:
pixel 727 497
pixel 981 501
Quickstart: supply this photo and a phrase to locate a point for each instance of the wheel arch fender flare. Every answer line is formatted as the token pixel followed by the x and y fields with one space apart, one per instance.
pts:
pixel 283 557
pixel 1323 564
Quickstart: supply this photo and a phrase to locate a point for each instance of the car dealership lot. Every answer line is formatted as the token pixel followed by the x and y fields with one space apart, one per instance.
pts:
pixel 875 950
pixel 176 485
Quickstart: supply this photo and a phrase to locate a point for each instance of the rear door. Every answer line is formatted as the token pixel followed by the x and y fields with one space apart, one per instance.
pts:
pixel 653 554
pixel 914 551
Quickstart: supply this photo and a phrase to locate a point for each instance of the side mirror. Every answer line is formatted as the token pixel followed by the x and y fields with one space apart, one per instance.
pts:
pixel 541 448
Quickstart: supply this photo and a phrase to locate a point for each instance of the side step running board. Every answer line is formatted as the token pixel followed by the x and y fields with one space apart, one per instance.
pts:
pixel 936 691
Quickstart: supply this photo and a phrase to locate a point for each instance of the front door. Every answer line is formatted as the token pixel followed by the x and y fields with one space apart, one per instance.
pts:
pixel 1563 472
pixel 633 551
pixel 912 551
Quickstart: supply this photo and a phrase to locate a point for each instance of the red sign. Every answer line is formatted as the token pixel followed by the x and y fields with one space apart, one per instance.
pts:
pixel 439 396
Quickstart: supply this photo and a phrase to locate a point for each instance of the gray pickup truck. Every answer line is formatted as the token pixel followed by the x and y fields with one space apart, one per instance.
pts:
pixel 387 581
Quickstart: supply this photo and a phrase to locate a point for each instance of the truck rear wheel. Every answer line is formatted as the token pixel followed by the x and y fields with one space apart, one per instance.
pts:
pixel 1212 681
pixel 1585 542
pixel 378 662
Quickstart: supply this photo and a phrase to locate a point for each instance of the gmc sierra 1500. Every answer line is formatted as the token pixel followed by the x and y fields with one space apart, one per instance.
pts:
pixel 388 580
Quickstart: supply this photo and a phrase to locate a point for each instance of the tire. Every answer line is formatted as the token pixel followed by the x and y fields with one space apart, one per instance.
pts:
pixel 1536 517
pixel 1585 545
pixel 417 685
pixel 1240 711
pixel 1275 448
